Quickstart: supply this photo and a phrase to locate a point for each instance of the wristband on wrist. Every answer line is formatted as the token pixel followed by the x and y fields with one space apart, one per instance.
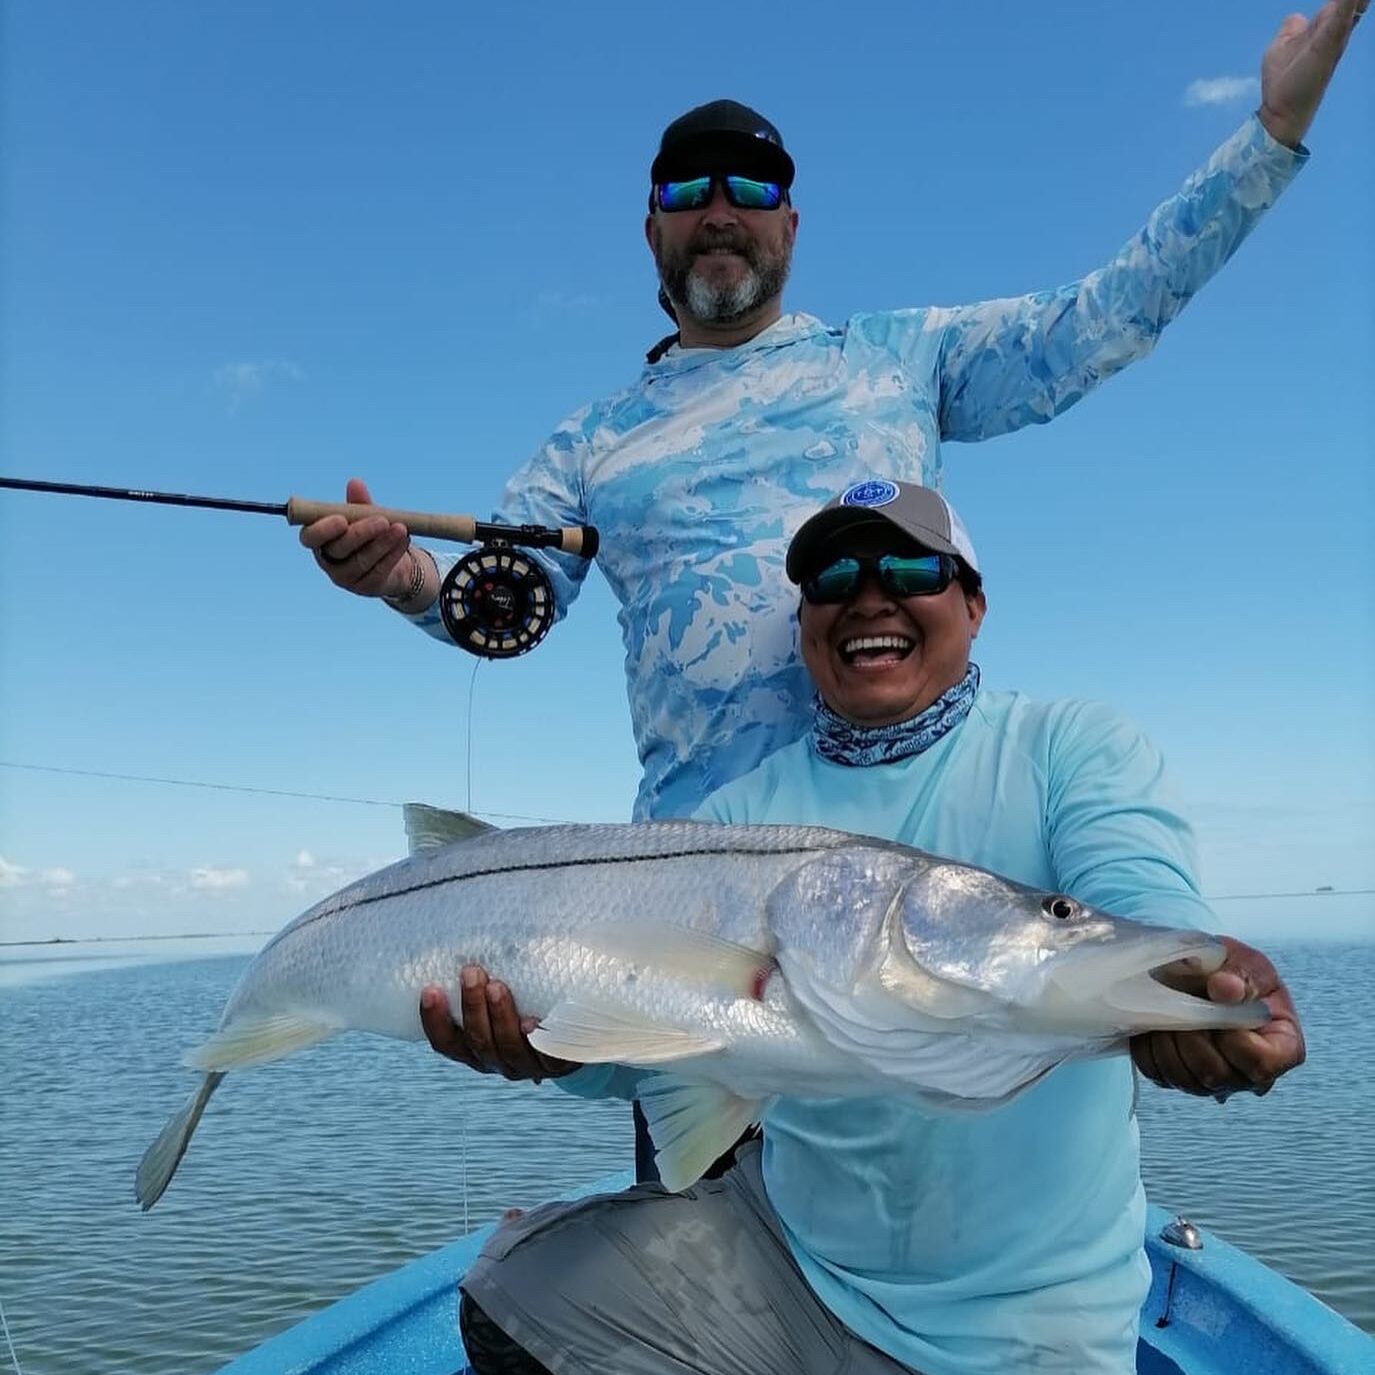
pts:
pixel 414 588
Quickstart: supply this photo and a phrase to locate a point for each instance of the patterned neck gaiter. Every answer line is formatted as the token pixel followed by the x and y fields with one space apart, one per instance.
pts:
pixel 843 742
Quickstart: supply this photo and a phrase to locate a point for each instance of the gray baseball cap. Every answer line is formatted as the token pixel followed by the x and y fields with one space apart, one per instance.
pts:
pixel 918 512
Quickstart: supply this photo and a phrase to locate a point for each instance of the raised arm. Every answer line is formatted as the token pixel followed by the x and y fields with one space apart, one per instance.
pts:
pixel 1020 361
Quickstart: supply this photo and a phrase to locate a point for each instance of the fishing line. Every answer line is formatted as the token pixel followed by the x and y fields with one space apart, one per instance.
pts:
pixel 463 1136
pixel 472 688
pixel 1310 893
pixel 14 1355
pixel 1322 892
pixel 244 788
pixel 196 783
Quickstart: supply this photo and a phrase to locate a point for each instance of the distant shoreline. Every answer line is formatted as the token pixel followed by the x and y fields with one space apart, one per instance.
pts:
pixel 102 940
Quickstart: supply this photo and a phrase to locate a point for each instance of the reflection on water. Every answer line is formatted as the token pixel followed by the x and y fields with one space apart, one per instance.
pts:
pixel 311 1176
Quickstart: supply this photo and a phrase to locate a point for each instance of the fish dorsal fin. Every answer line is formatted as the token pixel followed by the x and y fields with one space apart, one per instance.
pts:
pixel 431 828
pixel 692 1124
pixel 936 1061
pixel 592 1034
pixel 696 957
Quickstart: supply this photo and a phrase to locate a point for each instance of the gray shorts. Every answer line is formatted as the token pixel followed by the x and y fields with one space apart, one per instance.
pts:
pixel 647 1282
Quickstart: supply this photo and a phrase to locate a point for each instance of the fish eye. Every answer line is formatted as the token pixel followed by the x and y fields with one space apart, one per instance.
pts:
pixel 1060 907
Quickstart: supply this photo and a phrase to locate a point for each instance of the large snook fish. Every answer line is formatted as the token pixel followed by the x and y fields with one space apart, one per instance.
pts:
pixel 751 961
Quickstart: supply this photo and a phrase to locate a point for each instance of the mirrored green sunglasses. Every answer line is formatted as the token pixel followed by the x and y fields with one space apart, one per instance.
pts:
pixel 745 193
pixel 922 576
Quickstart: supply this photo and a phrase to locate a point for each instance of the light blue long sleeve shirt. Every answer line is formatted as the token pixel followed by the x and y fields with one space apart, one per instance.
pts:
pixel 975 1243
pixel 699 474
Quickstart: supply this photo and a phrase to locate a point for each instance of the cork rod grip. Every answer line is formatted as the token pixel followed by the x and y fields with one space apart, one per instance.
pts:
pixel 572 539
pixel 299 511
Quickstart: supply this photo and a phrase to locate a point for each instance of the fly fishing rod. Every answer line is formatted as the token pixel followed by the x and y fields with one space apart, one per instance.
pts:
pixel 495 602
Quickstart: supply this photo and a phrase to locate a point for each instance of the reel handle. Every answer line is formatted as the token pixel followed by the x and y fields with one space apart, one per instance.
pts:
pixel 571 539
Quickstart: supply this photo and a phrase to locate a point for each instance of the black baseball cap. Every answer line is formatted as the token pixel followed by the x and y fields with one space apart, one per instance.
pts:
pixel 722 136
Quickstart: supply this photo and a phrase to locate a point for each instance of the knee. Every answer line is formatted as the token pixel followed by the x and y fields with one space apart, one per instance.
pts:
pixel 490 1351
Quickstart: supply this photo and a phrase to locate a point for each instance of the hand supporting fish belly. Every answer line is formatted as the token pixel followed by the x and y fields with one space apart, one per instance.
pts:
pixel 744 962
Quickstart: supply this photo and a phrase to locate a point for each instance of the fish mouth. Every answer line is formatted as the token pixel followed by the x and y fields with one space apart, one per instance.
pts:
pixel 1128 976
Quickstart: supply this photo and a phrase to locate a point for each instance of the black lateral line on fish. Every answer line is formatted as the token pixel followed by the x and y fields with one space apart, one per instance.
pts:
pixel 535 868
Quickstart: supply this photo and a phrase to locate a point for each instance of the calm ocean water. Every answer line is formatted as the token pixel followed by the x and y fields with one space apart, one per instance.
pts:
pixel 308 1178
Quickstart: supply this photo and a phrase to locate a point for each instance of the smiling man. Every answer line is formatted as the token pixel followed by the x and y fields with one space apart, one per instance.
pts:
pixel 873 1235
pixel 875 671
pixel 698 472
pixel 722 239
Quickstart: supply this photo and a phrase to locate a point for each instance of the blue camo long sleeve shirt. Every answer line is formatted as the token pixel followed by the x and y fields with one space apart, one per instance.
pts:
pixel 699 474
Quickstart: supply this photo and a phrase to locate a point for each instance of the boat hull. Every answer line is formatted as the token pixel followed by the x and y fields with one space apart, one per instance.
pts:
pixel 1213 1311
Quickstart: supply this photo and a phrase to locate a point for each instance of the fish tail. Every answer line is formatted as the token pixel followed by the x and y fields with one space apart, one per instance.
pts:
pixel 161 1159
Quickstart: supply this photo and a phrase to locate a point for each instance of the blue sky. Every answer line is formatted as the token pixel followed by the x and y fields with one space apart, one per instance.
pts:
pixel 251 249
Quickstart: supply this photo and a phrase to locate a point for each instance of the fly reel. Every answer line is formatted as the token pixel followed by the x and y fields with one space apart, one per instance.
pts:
pixel 496 602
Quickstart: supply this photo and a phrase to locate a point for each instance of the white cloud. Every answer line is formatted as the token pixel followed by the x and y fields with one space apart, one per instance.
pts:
pixel 206 879
pixel 12 875
pixel 244 380
pixel 307 874
pixel 1221 90
pixel 559 308
pixel 139 878
pixel 58 878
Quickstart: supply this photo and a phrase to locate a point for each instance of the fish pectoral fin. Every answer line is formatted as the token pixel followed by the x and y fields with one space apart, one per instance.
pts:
pixel 699 957
pixel 432 828
pixel 692 1125
pixel 594 1035
pixel 161 1159
pixel 257 1040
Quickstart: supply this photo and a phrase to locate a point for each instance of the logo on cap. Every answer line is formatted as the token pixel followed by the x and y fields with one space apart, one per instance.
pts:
pixel 876 492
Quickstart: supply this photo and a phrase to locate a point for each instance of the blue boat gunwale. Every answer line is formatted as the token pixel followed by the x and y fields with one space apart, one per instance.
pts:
pixel 1227 1312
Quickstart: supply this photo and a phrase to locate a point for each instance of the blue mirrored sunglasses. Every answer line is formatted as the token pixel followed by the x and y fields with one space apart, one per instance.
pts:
pixel 921 576
pixel 745 193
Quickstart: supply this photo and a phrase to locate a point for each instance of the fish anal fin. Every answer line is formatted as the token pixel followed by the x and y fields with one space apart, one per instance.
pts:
pixel 258 1039
pixel 592 1034
pixel 692 1125
pixel 432 828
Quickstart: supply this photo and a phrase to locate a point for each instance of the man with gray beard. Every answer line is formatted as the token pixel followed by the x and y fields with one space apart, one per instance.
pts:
pixel 722 270
pixel 699 473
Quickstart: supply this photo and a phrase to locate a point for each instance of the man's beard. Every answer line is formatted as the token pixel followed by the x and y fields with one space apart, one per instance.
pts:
pixel 725 304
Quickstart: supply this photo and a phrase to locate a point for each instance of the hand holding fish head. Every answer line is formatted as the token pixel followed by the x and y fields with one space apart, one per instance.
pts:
pixel 1220 1063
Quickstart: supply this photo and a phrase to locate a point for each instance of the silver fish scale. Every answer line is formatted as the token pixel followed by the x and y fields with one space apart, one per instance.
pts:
pixel 654 944
pixel 534 907
pixel 553 847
